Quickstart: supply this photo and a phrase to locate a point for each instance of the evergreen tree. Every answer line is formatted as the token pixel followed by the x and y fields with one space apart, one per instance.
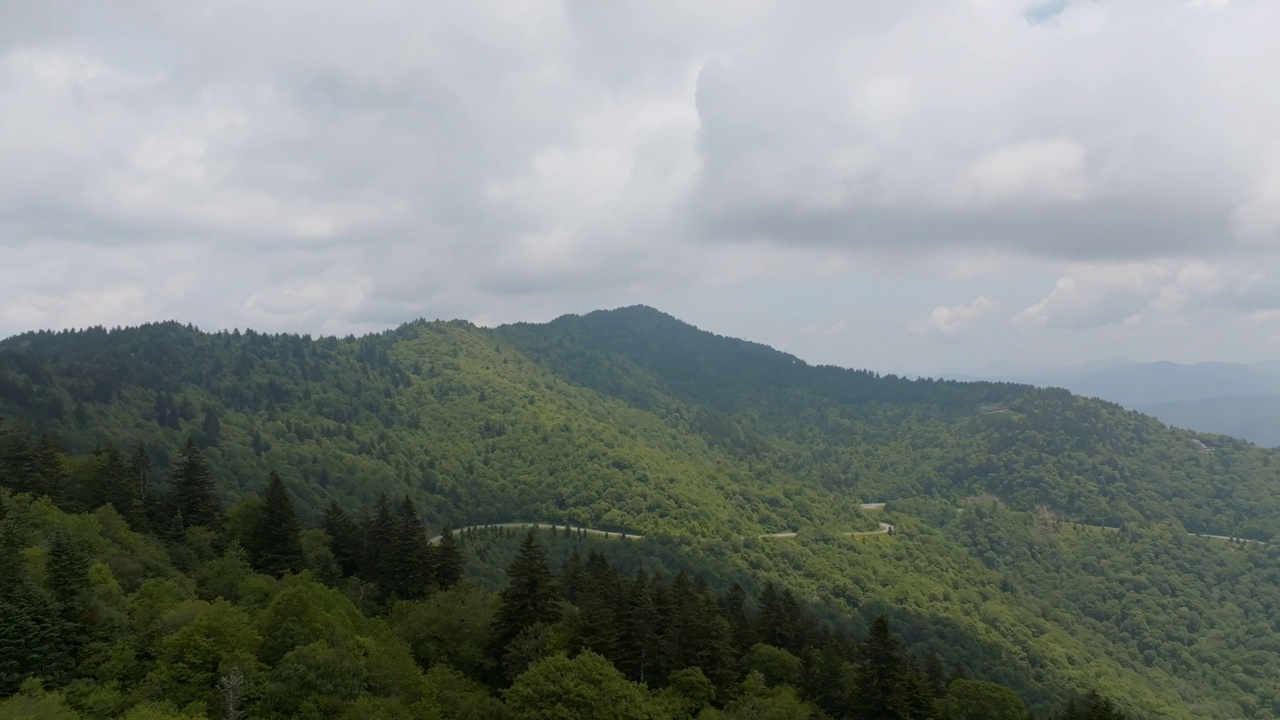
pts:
pixel 597 626
pixel 344 538
pixel 733 606
pixel 411 558
pixel 33 637
pixel 448 570
pixel 211 427
pixel 275 545
pixel 529 598
pixel 115 484
pixel 641 642
pixel 782 623
pixel 194 496
pixel 571 576
pixel 882 691
pixel 376 537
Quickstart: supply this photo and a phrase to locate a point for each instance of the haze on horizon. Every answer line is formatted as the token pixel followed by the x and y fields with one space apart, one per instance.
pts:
pixel 919 186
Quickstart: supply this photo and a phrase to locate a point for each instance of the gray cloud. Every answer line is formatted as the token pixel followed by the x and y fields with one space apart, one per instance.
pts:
pixel 332 166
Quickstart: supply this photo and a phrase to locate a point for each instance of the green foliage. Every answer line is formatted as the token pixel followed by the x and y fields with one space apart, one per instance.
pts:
pixel 34 702
pixel 631 420
pixel 978 700
pixel 275 546
pixel 529 599
pixel 558 688
pixel 194 492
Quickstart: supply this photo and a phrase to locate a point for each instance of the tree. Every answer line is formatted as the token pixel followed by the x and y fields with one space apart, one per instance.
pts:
pixel 758 701
pixel 344 538
pixel 275 546
pixel 529 598
pixel 115 483
pixel 587 686
pixel 194 497
pixel 448 569
pixel 409 564
pixel 377 533
pixel 1094 707
pixel 31 622
pixel 978 700
pixel 882 690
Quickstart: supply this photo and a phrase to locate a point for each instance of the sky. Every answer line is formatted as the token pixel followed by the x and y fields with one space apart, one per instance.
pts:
pixel 909 186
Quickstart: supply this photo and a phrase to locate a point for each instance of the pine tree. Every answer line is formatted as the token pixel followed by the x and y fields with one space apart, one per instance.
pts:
pixel 275 545
pixel 194 496
pixel 377 533
pixel 641 641
pixel 31 636
pixel 881 691
pixel 529 599
pixel 571 577
pixel 140 461
pixel 782 623
pixel 733 606
pixel 115 484
pixel 344 538
pixel 448 569
pixel 411 558
pixel 597 626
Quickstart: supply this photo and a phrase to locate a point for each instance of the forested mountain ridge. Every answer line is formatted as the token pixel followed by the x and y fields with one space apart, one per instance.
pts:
pixel 890 437
pixel 631 420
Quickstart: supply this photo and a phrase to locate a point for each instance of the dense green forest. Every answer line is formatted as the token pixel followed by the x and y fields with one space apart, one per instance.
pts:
pixel 175 609
pixel 631 421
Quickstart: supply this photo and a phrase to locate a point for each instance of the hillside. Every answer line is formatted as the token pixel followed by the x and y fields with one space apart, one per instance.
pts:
pixel 631 420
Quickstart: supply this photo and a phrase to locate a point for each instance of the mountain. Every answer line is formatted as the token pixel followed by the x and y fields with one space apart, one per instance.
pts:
pixel 1001 369
pixel 633 420
pixel 1146 384
pixel 1233 399
pixel 1253 417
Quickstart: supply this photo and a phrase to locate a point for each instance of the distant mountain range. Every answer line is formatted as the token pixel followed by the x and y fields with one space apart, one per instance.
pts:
pixel 1237 399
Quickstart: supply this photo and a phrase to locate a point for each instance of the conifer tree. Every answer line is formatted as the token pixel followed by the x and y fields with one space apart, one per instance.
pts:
pixel 140 463
pixel 448 569
pixel 529 598
pixel 275 545
pixel 193 490
pixel 344 538
pixel 410 561
pixel 31 636
pixel 597 626
pixel 571 576
pixel 116 484
pixel 376 535
pixel 733 606
pixel 641 639
pixel 883 689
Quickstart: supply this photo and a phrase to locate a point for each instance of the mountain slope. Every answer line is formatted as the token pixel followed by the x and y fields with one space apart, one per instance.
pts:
pixel 630 419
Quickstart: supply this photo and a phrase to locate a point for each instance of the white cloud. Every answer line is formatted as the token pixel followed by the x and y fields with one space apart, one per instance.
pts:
pixel 1034 171
pixel 1161 293
pixel 951 321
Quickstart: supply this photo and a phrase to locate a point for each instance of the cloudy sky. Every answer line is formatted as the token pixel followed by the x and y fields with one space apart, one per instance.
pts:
pixel 910 186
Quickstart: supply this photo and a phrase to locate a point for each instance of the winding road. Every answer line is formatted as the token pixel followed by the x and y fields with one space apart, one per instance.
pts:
pixel 885 529
pixel 541 526
pixel 1228 538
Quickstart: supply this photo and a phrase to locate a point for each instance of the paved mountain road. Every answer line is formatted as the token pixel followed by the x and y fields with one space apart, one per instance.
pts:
pixel 885 529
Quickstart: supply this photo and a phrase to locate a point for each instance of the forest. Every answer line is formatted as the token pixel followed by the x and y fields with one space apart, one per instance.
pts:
pixel 173 608
pixel 999 571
